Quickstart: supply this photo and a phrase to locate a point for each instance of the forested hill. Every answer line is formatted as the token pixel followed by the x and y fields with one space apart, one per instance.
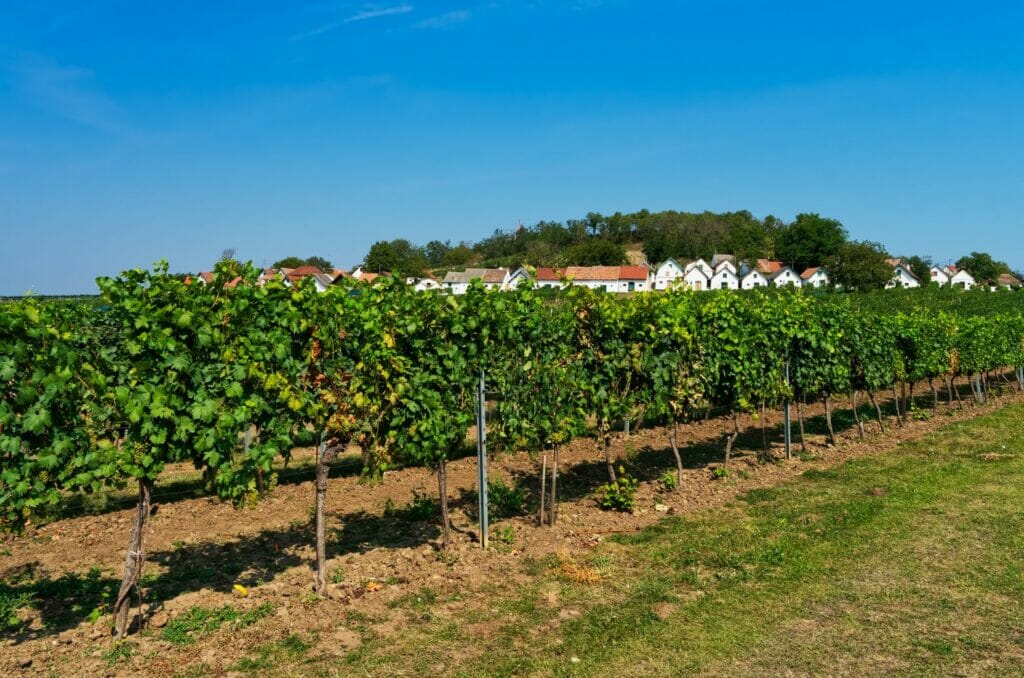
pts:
pixel 597 239
pixel 604 239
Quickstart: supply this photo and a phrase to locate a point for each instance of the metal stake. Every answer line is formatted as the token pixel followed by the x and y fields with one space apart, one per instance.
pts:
pixel 481 451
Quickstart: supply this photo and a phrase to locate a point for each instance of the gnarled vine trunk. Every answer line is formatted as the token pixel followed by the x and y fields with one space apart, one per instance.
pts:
pixel 856 415
pixel 800 422
pixel 731 440
pixel 442 487
pixel 325 457
pixel 828 419
pixel 608 455
pixel 673 439
pixel 135 559
pixel 554 486
pixel 896 404
pixel 878 410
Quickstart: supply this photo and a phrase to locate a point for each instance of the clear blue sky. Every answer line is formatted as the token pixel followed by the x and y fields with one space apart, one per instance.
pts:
pixel 133 131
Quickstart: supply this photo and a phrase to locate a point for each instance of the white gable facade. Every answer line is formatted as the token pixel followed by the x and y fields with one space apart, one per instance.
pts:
pixel 902 278
pixel 962 279
pixel 725 279
pixel 753 280
pixel 667 274
pixel 696 279
pixel 785 277
pixel 817 279
pixel 940 276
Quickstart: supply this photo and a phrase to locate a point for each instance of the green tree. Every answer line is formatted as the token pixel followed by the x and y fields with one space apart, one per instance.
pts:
pixel 320 262
pixel 289 262
pixel 982 266
pixel 809 241
pixel 400 257
pixel 859 266
pixel 595 252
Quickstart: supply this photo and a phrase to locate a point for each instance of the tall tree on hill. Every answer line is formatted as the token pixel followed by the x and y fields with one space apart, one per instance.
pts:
pixel 859 266
pixel 595 252
pixel 395 256
pixel 809 241
pixel 982 266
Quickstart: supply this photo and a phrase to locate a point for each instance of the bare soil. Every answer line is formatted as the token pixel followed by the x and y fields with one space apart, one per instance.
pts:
pixel 199 548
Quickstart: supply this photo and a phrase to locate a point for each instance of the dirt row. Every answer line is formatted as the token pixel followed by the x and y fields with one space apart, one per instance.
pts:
pixel 381 550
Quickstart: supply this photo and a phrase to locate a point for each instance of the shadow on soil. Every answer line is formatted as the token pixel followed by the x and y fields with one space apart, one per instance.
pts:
pixel 65 602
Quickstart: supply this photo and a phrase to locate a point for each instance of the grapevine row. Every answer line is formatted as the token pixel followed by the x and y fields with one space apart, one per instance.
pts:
pixel 228 377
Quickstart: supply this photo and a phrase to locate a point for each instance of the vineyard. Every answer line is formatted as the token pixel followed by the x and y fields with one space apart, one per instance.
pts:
pixel 231 380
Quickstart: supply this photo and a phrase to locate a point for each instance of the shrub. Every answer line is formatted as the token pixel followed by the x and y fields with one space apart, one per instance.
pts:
pixel 620 495
pixel 504 501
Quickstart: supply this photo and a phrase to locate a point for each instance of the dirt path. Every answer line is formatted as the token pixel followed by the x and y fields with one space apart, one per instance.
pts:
pixel 198 549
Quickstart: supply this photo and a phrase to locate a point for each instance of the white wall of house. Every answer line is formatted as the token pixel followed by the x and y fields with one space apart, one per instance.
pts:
pixel 902 278
pixel 725 279
pixel 818 279
pixel 696 279
pixel 962 279
pixel 701 265
pixel 939 276
pixel 427 285
pixel 667 274
pixel 753 280
pixel 786 277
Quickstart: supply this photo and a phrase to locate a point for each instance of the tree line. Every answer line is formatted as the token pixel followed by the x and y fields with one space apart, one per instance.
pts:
pixel 808 240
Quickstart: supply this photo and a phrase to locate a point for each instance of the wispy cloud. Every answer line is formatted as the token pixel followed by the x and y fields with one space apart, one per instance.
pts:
pixel 368 12
pixel 67 91
pixel 444 20
pixel 379 12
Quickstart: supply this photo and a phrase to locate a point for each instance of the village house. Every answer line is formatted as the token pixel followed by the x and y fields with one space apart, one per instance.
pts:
pixel 618 279
pixel 725 277
pixel 1008 281
pixel 753 279
pixel 902 276
pixel 457 282
pixel 814 277
pixel 667 274
pixel 952 276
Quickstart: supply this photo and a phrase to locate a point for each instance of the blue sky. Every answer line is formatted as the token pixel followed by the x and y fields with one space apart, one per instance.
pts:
pixel 131 132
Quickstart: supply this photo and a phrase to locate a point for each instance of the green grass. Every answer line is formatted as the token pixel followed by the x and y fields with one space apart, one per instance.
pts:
pixel 290 649
pixel 201 621
pixel 908 562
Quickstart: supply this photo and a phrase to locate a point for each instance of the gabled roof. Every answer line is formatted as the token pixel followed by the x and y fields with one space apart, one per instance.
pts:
pixel 548 274
pixel 720 258
pixel 809 272
pixel 599 273
pixel 297 274
pixel 485 275
pixel 1009 279
pixel 206 276
pixel 906 269
pixel 766 266
pixel 779 271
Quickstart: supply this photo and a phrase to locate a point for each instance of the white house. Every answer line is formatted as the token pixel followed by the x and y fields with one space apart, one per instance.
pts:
pixel 701 265
pixel 953 276
pixel 695 279
pixel 939 276
pixel 667 274
pixel 784 277
pixel 753 279
pixel 457 282
pixel 549 278
pixel 961 278
pixel 902 277
pixel 426 285
pixel 609 278
pixel 814 277
pixel 517 278
pixel 725 277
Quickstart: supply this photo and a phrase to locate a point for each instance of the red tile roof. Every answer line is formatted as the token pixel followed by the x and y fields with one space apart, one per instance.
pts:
pixel 296 274
pixel 809 272
pixel 766 266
